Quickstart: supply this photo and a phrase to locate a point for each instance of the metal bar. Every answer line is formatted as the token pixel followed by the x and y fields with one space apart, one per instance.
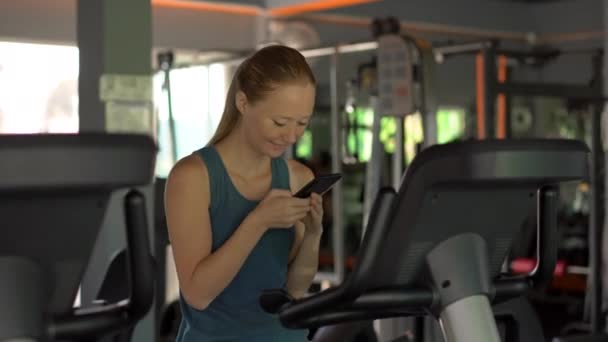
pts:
pixel 308 53
pixel 424 27
pixel 595 224
pixel 508 105
pixel 463 31
pixel 336 166
pixel 318 52
pixel 599 199
pixel 326 276
pixel 459 49
pixel 373 169
pixel 429 28
pixel 570 91
pixel 419 328
pixel 428 102
pixel 546 237
pixel 556 38
pixel 577 270
pixel 521 55
pixel 355 47
pixel 172 128
pixel 501 100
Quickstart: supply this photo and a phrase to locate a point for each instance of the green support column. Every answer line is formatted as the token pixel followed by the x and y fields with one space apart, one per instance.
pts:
pixel 115 42
pixel 115 95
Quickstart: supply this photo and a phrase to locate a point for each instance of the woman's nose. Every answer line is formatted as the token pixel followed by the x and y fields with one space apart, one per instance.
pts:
pixel 291 136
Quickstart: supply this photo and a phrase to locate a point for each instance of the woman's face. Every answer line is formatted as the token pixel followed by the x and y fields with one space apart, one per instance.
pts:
pixel 277 121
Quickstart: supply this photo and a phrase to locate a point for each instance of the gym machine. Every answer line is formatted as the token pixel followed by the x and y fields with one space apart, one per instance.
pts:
pixel 404 86
pixel 494 91
pixel 54 194
pixel 437 245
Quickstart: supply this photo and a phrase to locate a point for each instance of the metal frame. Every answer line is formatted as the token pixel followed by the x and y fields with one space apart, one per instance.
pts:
pixel 336 124
pixel 493 87
pixel 592 94
pixel 336 167
pixel 338 239
pixel 596 225
pixel 595 233
pixel 166 64
pixel 317 52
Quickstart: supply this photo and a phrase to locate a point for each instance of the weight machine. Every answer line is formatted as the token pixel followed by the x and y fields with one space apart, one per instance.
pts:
pixel 495 88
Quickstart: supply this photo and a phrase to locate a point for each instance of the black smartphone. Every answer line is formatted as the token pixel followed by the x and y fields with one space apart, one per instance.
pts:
pixel 319 185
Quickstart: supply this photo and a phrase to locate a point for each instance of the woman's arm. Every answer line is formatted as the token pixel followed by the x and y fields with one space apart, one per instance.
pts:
pixel 202 275
pixel 304 266
pixel 304 258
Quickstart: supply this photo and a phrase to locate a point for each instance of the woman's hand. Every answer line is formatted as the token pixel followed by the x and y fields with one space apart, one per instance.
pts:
pixel 314 219
pixel 279 209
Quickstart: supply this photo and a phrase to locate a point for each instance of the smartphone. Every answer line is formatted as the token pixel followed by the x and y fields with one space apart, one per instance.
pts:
pixel 319 185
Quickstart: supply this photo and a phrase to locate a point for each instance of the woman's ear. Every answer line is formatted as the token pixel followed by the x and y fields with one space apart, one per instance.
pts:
pixel 241 102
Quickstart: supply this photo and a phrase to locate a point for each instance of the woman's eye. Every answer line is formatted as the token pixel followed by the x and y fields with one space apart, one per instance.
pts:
pixel 303 123
pixel 280 124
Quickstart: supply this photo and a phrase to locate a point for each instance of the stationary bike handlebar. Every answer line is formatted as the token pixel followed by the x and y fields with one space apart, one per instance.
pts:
pixel 117 316
pixel 329 307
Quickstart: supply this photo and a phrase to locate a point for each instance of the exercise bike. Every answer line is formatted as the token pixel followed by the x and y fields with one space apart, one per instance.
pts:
pixel 436 247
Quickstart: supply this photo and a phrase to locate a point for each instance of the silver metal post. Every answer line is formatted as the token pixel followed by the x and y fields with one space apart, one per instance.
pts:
pixel 172 128
pixel 374 165
pixel 469 320
pixel 428 103
pixel 336 167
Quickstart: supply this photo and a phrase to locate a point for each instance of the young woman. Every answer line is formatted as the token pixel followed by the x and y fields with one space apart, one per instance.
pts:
pixel 234 226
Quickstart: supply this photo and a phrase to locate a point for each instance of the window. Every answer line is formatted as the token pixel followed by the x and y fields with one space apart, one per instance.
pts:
pixel 359 134
pixel 38 88
pixel 304 145
pixel 450 124
pixel 197 103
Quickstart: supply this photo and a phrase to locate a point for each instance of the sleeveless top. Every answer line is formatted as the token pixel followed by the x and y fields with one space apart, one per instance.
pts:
pixel 235 314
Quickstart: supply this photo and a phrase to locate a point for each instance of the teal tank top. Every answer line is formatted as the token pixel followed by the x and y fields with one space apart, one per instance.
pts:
pixel 235 314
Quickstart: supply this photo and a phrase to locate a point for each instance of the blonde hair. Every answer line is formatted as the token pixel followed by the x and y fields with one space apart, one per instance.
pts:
pixel 258 75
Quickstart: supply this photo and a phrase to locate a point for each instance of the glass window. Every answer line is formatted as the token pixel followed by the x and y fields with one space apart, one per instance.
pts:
pixel 197 102
pixel 359 137
pixel 450 124
pixel 38 88
pixel 359 133
pixel 304 145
